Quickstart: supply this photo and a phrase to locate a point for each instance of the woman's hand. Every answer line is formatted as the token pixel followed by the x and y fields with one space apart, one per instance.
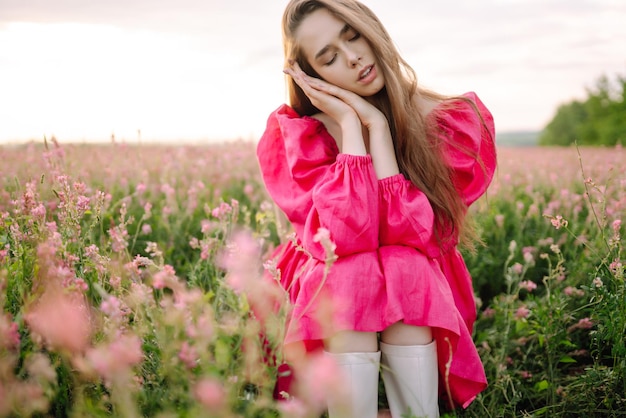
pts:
pixel 338 103
pixel 351 111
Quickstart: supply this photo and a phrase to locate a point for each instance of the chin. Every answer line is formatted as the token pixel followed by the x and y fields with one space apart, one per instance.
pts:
pixel 373 91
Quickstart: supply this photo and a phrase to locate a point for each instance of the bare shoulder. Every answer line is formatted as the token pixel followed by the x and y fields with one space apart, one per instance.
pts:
pixel 331 126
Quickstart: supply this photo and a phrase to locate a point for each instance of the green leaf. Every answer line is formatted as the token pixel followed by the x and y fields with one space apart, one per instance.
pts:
pixel 567 359
pixel 541 386
pixel 568 344
pixel 542 339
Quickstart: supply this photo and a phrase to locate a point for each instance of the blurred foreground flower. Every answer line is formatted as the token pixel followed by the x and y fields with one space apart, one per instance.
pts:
pixel 62 319
pixel 116 358
pixel 9 333
pixel 242 260
pixel 210 393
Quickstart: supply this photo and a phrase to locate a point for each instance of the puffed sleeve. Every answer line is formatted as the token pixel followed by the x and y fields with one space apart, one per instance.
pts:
pixel 315 186
pixel 405 212
pixel 469 146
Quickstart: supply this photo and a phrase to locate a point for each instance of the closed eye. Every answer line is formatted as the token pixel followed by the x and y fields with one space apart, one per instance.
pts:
pixel 331 60
pixel 356 36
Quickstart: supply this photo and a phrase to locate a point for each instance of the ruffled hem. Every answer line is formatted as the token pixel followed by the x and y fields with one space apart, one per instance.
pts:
pixel 392 284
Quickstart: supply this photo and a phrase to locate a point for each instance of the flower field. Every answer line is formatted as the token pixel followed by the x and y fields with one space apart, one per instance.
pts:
pixel 128 273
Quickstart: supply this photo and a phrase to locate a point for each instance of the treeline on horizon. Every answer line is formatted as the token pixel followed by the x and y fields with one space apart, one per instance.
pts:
pixel 598 120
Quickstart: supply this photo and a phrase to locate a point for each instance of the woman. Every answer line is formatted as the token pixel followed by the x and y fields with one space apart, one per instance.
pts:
pixel 383 171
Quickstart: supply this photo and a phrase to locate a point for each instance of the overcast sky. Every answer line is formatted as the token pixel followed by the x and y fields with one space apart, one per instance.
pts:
pixel 212 69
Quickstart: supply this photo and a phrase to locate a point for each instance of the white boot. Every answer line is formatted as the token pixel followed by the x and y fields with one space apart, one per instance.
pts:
pixel 361 377
pixel 411 379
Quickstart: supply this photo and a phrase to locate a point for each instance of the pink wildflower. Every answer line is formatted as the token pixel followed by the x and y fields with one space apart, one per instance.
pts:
pixel 322 377
pixel 202 329
pixel 188 355
pixel 164 277
pixel 616 267
pixel 558 222
pixel 210 393
pixel 528 285
pixel 39 366
pixel 115 282
pixel 323 237
pixel 63 320
pixel 139 262
pixel 117 357
pixel 294 408
pixel 79 284
pixel 167 190
pixel 517 268
pixel 242 260
pixel 119 237
pixel 572 291
pixel 522 312
pixel 528 253
pixel 147 208
pixel 499 219
pixel 597 282
pixel 39 211
pixel 80 187
pixel 585 323
pixel 545 241
pixel 266 206
pixel 82 204
pixel 525 374
pixel 91 251
pixel 9 333
pixel 205 248
pixel 489 313
pixel 183 298
pixel 113 308
pixel 270 266
pixel 206 226
pixel 139 295
pixel 146 229
pixel 616 225
pixel 31 397
pixel 223 210
pixel 242 249
pixel 237 282
pixel 152 248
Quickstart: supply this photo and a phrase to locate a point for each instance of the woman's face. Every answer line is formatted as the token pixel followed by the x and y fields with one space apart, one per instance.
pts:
pixel 339 54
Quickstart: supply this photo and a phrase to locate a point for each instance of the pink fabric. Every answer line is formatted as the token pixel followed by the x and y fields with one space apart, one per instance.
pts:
pixel 389 266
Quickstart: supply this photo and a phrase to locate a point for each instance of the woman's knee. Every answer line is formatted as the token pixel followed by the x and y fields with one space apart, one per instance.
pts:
pixel 352 342
pixel 404 334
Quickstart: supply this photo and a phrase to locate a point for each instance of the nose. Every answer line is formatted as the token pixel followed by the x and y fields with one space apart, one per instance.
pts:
pixel 353 57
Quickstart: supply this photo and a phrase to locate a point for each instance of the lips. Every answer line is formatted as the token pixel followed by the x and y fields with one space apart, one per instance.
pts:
pixel 365 72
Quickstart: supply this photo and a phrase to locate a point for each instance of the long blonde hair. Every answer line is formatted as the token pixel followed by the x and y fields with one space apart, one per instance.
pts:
pixel 416 139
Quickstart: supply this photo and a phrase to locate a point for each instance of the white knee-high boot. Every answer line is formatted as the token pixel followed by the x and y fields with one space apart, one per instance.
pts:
pixel 361 373
pixel 411 379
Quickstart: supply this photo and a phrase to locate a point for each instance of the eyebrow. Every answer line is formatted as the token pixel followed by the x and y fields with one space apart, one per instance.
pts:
pixel 343 30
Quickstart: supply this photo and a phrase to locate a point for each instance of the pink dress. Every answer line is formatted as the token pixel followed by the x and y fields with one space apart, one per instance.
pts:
pixel 389 266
